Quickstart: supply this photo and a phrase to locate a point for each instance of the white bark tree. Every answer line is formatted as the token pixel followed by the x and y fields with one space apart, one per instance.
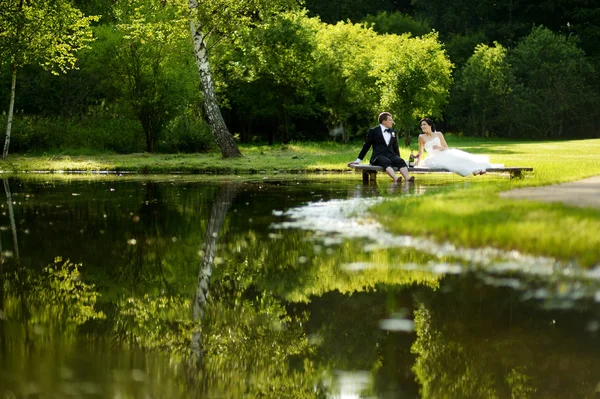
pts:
pixel 11 215
pixel 209 248
pixel 210 22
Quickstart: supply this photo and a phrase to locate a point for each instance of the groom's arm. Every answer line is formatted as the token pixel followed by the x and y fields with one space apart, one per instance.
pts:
pixel 367 144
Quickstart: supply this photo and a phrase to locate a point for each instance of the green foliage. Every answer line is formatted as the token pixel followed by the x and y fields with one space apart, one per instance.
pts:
pixel 457 17
pixel 397 23
pixel 554 89
pixel 96 131
pixel 539 89
pixel 344 58
pixel 282 77
pixel 55 303
pixel 148 60
pixel 187 132
pixel 44 31
pixel 155 323
pixel 413 76
pixel 280 70
pixel 584 20
pixel 334 11
pixel 481 96
pixel 158 23
pixel 457 357
pixel 101 8
pixel 269 72
pixel 461 47
pixel 226 18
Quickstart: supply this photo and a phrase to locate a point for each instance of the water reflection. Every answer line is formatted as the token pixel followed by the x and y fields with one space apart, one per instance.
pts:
pixel 183 287
pixel 338 220
pixel 221 204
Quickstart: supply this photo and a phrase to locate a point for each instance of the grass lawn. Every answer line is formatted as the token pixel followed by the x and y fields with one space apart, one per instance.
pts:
pixel 288 158
pixel 474 216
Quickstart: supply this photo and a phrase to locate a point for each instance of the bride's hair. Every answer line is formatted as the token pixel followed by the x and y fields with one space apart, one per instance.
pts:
pixel 429 122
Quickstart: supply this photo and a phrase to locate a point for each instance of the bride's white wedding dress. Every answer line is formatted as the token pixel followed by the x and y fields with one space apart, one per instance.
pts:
pixel 454 160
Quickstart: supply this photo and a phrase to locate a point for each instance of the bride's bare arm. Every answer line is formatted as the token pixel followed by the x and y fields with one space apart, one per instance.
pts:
pixel 420 153
pixel 444 145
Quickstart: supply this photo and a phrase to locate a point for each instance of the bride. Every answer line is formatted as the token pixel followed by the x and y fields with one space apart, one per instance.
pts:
pixel 439 156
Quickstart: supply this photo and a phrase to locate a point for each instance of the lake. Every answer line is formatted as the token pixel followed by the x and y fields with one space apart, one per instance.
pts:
pixel 274 287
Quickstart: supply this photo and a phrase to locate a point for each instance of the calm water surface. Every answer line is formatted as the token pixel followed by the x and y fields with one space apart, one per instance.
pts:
pixel 103 284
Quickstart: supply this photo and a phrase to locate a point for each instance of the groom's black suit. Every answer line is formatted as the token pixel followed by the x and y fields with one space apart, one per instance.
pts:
pixel 383 154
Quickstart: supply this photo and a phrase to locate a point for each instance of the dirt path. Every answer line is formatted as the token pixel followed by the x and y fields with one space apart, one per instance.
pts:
pixel 584 193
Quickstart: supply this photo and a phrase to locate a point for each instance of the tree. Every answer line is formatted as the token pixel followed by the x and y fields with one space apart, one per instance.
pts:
pixel 553 85
pixel 414 76
pixel 333 11
pixel 344 56
pixel 269 72
pixel 146 53
pixel 480 99
pixel 48 32
pixel 215 20
pixel 218 214
pixel 397 23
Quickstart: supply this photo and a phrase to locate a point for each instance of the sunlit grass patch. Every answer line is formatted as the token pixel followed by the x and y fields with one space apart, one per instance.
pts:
pixel 478 217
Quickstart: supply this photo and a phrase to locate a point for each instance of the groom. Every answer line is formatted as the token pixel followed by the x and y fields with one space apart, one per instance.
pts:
pixel 385 148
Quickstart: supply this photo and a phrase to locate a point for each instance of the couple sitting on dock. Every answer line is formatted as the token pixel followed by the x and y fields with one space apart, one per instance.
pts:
pixel 386 152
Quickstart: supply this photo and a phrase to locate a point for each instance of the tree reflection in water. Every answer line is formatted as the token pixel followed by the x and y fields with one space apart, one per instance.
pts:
pixel 481 342
pixel 220 206
pixel 290 313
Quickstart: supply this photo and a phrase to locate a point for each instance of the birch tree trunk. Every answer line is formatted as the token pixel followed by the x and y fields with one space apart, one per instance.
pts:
pixel 11 108
pixel 219 211
pixel 11 215
pixel 224 139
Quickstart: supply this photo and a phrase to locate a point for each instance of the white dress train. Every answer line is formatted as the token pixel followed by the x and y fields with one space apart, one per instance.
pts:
pixel 454 160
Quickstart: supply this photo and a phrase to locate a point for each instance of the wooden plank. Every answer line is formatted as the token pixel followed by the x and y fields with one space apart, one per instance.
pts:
pixel 376 168
pixel 370 171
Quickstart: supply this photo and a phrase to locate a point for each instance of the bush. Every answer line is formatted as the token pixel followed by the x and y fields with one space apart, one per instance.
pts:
pixel 187 133
pixel 101 131
pixel 119 134
pixel 97 133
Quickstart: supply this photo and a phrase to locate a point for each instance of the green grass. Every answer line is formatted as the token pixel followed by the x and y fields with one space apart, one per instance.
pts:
pixel 554 161
pixel 473 216
pixel 476 216
pixel 289 158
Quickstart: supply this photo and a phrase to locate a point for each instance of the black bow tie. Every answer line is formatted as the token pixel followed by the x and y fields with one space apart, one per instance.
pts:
pixel 388 130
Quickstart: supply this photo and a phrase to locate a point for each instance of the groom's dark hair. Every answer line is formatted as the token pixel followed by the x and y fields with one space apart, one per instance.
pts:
pixel 384 116
pixel 429 122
